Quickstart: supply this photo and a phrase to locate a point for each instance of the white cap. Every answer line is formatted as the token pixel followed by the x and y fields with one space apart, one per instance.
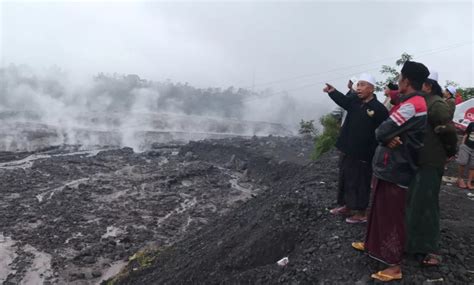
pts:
pixel 367 78
pixel 433 75
pixel 451 90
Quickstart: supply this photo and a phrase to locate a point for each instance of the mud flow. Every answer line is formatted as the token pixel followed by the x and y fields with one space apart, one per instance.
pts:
pixel 209 212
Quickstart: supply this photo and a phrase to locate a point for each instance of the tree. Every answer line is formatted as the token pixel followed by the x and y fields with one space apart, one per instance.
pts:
pixel 403 58
pixel 324 142
pixel 307 129
pixel 392 73
pixel 451 83
pixel 466 93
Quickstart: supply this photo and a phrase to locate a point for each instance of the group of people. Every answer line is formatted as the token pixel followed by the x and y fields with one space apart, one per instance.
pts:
pixel 392 159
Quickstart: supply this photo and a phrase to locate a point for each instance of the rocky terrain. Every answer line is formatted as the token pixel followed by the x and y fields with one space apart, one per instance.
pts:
pixel 75 216
pixel 208 212
pixel 291 220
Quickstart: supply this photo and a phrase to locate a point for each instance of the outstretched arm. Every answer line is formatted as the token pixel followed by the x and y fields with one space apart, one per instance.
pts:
pixel 339 98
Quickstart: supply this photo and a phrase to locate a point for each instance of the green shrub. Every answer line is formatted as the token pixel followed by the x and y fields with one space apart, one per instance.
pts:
pixel 327 139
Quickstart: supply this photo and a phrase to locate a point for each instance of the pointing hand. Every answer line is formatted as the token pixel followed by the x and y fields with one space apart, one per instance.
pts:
pixel 329 88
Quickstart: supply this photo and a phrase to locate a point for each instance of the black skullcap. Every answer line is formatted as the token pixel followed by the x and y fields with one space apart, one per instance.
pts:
pixel 415 71
pixel 392 86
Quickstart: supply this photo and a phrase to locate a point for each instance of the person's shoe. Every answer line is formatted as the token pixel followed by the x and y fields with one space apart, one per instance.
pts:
pixel 340 211
pixel 360 246
pixel 432 259
pixel 385 277
pixel 356 219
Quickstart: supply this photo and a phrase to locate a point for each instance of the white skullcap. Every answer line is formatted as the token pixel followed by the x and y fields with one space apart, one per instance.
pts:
pixel 433 75
pixel 451 90
pixel 367 78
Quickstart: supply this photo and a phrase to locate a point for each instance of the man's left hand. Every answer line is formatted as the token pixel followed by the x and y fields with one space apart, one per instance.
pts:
pixel 394 142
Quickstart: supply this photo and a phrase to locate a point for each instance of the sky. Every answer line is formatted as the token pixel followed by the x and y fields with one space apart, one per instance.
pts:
pixel 292 46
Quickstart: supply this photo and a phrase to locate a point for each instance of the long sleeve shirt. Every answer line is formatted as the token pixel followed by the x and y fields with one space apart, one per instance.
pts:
pixel 357 136
pixel 398 165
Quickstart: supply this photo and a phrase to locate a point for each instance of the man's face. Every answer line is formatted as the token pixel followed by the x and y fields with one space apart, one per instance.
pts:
pixel 446 94
pixel 364 89
pixel 403 84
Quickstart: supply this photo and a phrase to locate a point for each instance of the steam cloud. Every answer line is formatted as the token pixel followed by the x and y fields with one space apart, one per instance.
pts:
pixel 44 108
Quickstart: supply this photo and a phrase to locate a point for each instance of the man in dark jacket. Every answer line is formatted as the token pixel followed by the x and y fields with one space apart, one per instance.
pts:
pixel 394 168
pixel 339 113
pixel 357 145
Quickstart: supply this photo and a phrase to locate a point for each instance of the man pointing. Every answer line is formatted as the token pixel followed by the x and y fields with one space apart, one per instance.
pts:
pixel 357 144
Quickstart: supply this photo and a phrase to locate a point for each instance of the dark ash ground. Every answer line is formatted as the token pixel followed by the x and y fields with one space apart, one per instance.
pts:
pixel 210 212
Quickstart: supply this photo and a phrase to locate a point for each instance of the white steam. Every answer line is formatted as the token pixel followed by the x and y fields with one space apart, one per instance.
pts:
pixel 39 109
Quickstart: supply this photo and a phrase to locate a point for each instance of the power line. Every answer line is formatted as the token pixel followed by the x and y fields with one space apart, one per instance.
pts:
pixel 429 52
pixel 307 85
pixel 420 54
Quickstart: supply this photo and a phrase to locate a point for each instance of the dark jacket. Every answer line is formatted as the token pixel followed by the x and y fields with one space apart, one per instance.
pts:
pixel 399 165
pixel 357 136
pixel 452 106
pixel 339 113
pixel 438 133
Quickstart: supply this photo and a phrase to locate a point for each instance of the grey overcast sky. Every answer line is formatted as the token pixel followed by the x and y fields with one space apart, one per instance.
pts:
pixel 289 45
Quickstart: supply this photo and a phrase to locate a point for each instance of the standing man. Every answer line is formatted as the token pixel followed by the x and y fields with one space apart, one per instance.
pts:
pixel 391 99
pixel 395 164
pixel 422 213
pixel 466 158
pixel 357 144
pixel 449 94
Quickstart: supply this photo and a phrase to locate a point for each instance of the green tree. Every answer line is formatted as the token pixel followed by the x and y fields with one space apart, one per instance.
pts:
pixel 391 73
pixel 466 93
pixel 324 142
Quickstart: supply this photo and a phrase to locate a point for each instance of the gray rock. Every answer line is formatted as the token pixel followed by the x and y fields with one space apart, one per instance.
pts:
pixel 310 250
pixel 89 259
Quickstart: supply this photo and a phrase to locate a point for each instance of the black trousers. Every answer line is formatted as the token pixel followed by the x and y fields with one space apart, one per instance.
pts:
pixel 354 183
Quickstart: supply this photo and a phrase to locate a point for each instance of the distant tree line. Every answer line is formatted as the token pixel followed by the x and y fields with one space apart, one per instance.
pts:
pixel 116 92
